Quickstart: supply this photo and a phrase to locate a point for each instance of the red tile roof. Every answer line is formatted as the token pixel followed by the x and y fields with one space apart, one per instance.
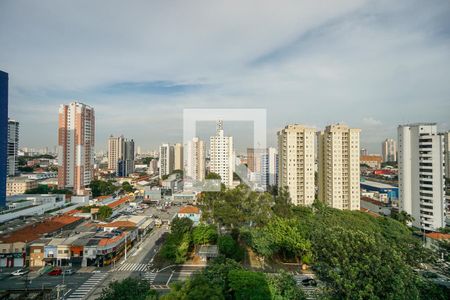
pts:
pixel 189 210
pixel 119 224
pixel 107 241
pixel 119 202
pixel 35 231
pixel 438 236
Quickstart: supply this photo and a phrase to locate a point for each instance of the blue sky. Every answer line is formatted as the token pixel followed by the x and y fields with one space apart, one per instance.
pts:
pixel 370 64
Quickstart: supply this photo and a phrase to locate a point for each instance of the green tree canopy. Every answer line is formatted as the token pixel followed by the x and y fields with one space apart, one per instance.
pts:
pixel 128 289
pixel 104 212
pixel 204 234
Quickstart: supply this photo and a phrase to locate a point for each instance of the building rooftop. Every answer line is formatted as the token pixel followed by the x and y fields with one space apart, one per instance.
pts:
pixel 189 210
pixel 118 224
pixel 34 231
pixel 119 202
pixel 438 236
pixel 378 184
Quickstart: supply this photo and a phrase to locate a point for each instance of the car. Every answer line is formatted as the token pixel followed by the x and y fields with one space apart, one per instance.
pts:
pixel 20 272
pixel 68 271
pixel 309 282
pixel 55 272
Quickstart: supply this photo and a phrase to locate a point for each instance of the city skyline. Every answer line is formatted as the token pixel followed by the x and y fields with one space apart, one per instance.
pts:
pixel 386 61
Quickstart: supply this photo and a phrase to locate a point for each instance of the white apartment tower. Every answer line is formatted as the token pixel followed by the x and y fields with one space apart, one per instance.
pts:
pixel 296 163
pixel 447 153
pixel 76 142
pixel 13 148
pixel 421 174
pixel 269 168
pixel 389 150
pixel 221 155
pixel 195 160
pixel 166 160
pixel 338 157
pixel 178 157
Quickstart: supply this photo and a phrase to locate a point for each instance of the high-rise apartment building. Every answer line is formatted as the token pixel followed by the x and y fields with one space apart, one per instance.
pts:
pixel 76 141
pixel 13 148
pixel 166 160
pixel 221 155
pixel 389 150
pixel 338 155
pixel 363 152
pixel 254 156
pixel 269 168
pixel 195 160
pixel 3 135
pixel 296 163
pixel 447 153
pixel 125 165
pixel 421 174
pixel 121 155
pixel 178 157
pixel 116 147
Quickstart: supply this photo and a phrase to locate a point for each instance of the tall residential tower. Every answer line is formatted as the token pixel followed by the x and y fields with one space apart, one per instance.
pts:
pixel 421 174
pixel 221 155
pixel 166 160
pixel 339 167
pixel 76 141
pixel 389 150
pixel 13 147
pixel 195 160
pixel 296 163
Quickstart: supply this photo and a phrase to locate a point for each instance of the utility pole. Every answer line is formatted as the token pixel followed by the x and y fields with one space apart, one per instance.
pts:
pixel 125 246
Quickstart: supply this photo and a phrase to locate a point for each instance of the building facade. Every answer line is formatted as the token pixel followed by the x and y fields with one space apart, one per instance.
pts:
pixel 269 168
pixel 13 148
pixel 3 135
pixel 447 153
pixel 373 161
pixel 421 174
pixel 389 150
pixel 19 185
pixel 296 163
pixel 115 151
pixel 178 157
pixel 339 170
pixel 76 142
pixel 195 160
pixel 221 155
pixel 166 160
pixel 125 165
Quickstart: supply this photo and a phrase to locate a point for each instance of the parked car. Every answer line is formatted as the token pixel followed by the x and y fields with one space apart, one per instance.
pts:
pixel 20 272
pixel 55 272
pixel 309 282
pixel 69 272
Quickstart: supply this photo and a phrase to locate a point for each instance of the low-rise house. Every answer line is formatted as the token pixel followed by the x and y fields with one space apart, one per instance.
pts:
pixel 190 212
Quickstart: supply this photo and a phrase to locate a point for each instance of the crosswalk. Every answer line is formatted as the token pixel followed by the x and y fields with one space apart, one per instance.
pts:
pixel 131 267
pixel 84 289
pixel 150 277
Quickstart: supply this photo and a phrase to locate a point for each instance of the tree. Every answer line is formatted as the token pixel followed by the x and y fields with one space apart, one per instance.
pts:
pixel 402 216
pixel 180 226
pixel 230 248
pixel 128 289
pixel 102 188
pixel 198 287
pixel 283 287
pixel 248 285
pixel 204 234
pixel 127 187
pixel 104 212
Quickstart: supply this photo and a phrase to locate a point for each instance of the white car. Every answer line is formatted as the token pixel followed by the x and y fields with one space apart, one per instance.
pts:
pixel 20 272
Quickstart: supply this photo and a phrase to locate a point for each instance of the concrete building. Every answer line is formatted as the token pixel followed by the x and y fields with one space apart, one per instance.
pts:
pixel 339 166
pixel 195 160
pixel 76 140
pixel 3 135
pixel 389 150
pixel 18 185
pixel 221 155
pixel 125 165
pixel 269 168
pixel 13 148
pixel 115 151
pixel 421 174
pixel 447 153
pixel 373 161
pixel 254 156
pixel 178 157
pixel 166 160
pixel 296 163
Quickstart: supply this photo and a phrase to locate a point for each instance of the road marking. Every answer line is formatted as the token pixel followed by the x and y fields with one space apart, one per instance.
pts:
pixel 132 267
pixel 67 292
pixel 168 280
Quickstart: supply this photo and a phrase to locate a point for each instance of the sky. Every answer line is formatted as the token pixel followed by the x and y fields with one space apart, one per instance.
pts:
pixel 369 64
